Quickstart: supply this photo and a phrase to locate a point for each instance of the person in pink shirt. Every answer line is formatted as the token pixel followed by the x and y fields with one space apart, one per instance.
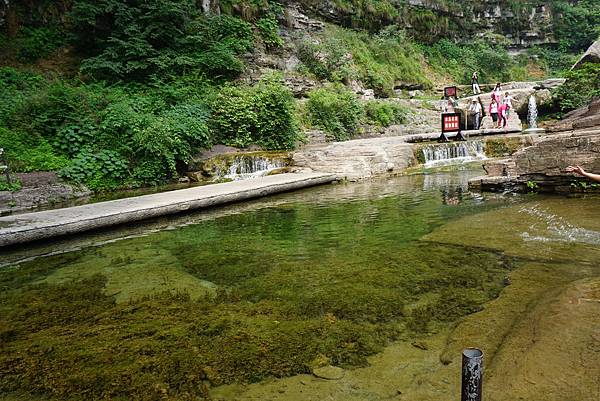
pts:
pixel 502 109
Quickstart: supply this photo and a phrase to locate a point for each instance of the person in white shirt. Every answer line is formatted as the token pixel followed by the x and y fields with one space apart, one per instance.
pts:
pixel 475 107
pixel 508 102
pixel 494 112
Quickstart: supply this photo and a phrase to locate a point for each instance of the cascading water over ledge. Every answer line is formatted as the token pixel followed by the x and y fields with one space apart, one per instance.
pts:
pixel 243 166
pixel 455 152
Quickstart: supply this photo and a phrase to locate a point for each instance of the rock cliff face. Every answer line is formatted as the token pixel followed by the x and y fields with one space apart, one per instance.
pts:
pixel 521 24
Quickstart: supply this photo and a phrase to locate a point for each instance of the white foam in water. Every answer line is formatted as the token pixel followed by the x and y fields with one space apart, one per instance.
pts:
pixel 557 229
pixel 455 152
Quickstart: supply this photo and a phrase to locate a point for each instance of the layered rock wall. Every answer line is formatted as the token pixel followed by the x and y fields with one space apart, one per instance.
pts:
pixel 542 166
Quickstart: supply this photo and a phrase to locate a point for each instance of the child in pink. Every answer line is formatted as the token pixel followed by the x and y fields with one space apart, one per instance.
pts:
pixel 502 115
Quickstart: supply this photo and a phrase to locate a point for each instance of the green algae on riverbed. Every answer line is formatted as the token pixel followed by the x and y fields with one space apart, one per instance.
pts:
pixel 292 286
pixel 540 337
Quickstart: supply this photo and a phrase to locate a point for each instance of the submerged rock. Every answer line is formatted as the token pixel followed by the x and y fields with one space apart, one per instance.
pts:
pixel 329 372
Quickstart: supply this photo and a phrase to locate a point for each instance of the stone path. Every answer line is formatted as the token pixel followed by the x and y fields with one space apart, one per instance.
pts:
pixel 52 223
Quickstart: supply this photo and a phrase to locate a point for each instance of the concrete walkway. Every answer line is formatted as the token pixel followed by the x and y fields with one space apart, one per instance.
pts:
pixel 29 227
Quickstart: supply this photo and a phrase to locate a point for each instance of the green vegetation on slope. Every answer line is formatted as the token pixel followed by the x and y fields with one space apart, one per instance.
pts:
pixel 582 86
pixel 149 84
pixel 110 136
pixel 379 61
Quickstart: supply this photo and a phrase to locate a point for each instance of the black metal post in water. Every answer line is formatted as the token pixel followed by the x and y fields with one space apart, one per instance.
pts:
pixel 472 374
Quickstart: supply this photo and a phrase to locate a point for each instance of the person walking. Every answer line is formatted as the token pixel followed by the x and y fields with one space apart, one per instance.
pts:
pixel 475 84
pixel 508 102
pixel 494 112
pixel 475 108
pixel 503 121
pixel 497 92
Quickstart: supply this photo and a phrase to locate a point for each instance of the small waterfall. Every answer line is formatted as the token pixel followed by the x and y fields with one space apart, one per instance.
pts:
pixel 533 113
pixel 243 167
pixel 455 152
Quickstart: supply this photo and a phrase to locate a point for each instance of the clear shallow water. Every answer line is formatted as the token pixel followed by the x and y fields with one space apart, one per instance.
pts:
pixel 269 288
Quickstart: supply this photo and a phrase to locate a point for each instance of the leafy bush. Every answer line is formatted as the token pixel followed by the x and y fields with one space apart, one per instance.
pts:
pixel 233 118
pixel 384 113
pixel 16 85
pixel 103 137
pixel 14 185
pixel 220 40
pixel 26 152
pixel 132 41
pixel 581 87
pixel 269 31
pixel 100 170
pixel 327 60
pixel 557 62
pixel 169 138
pixel 576 25
pixel 35 43
pixel 262 115
pixel 493 63
pixel 276 124
pixel 336 111
pixel 378 61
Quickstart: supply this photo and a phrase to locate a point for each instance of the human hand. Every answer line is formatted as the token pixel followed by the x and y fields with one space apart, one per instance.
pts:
pixel 575 169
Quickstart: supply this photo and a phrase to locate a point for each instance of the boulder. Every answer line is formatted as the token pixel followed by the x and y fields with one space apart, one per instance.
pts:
pixel 297 20
pixel 550 83
pixel 520 92
pixel 583 118
pixel 300 85
pixel 551 155
pixel 544 163
pixel 196 176
pixel 358 159
pixel 592 55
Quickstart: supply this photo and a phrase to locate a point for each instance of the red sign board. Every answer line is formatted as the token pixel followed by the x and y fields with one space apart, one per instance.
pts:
pixel 450 122
pixel 450 91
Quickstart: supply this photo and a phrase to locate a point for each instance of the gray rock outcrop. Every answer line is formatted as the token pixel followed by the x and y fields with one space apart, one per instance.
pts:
pixel 592 55
pixel 544 163
pixel 582 118
pixel 358 159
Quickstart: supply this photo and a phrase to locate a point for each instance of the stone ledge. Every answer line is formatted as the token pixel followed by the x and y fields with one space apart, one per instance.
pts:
pixel 53 223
